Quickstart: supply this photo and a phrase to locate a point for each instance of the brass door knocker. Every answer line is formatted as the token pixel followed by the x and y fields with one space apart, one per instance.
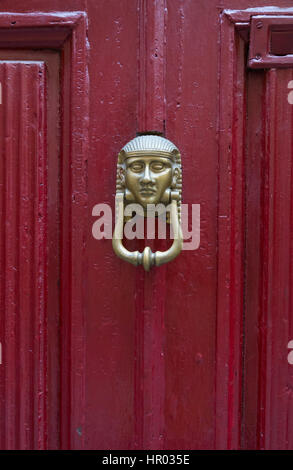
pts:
pixel 148 172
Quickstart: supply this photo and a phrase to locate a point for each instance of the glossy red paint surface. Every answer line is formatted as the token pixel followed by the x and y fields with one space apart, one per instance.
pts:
pixel 98 354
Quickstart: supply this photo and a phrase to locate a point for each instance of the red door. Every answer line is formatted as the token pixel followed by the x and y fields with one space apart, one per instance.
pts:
pixel 97 353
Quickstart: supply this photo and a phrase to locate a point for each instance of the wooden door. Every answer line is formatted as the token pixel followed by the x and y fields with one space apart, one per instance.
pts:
pixel 97 353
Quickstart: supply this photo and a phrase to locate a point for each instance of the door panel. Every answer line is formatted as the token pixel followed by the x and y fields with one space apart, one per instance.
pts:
pixel 269 260
pixel 263 146
pixel 28 108
pixel 44 116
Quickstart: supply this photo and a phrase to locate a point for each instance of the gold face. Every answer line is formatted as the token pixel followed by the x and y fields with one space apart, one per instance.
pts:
pixel 149 172
pixel 148 177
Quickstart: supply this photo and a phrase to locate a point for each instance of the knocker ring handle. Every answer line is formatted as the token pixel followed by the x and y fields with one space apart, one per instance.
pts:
pixel 148 172
pixel 147 258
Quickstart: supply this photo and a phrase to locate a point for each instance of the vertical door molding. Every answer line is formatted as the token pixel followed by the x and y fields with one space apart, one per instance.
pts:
pixel 230 236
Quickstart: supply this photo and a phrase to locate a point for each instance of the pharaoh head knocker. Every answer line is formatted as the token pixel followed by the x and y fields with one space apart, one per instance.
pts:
pixel 148 173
